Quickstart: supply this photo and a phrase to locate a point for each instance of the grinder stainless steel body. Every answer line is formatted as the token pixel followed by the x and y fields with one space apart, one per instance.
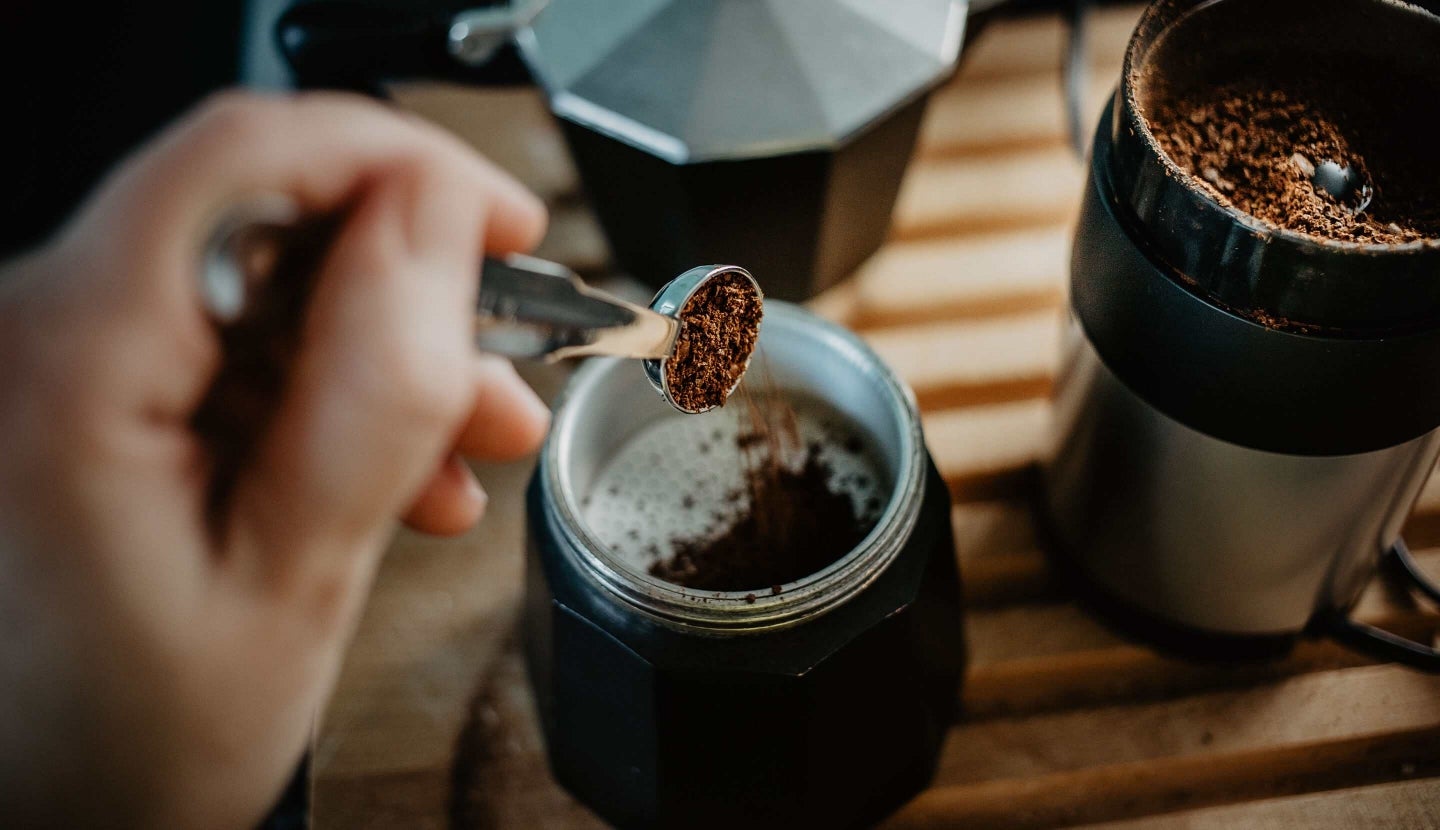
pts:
pixel 1211 534
pixel 1214 480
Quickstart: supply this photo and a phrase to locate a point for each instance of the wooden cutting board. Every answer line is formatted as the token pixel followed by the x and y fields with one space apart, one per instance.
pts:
pixel 1066 723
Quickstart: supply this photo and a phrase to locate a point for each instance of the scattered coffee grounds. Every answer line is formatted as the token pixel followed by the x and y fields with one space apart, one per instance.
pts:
pixel 788 521
pixel 788 486
pixel 1254 146
pixel 800 527
pixel 719 325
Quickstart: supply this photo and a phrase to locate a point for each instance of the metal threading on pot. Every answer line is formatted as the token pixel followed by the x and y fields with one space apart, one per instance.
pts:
pixel 608 403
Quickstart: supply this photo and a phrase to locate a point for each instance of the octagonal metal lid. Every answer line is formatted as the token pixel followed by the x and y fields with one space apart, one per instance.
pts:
pixel 699 80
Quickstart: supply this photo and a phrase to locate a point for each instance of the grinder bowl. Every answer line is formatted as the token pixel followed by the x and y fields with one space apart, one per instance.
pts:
pixel 1380 51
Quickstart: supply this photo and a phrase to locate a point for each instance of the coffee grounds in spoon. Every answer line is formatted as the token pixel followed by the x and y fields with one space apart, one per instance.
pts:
pixel 1254 146
pixel 719 325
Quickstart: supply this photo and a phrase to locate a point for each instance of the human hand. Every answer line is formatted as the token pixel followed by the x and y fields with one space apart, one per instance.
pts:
pixel 159 668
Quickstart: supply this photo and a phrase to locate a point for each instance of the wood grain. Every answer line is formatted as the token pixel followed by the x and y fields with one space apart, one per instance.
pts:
pixel 1020 189
pixel 1020 113
pixel 951 365
pixel 1032 45
pixel 1145 788
pixel 501 779
pixel 1065 721
pixel 987 451
pixel 1323 707
pixel 978 275
pixel 1408 805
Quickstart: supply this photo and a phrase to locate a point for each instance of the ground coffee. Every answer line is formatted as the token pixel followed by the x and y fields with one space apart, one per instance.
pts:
pixel 787 521
pixel 719 325
pixel 1254 144
pixel 746 498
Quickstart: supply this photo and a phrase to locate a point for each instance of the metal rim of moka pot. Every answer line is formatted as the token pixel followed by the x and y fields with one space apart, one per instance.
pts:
pixel 1355 376
pixel 835 360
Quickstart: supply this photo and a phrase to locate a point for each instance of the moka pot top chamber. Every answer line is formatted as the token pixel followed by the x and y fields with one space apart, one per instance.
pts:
pixel 704 80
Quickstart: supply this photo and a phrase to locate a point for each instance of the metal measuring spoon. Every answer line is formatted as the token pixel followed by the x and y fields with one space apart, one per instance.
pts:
pixel 531 308
pixel 671 301
pixel 526 307
pixel 1342 182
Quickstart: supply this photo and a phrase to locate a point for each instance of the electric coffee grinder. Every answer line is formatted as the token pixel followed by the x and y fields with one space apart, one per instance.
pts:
pixel 1246 414
pixel 769 132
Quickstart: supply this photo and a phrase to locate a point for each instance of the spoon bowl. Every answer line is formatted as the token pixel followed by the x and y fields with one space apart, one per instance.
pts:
pixel 670 301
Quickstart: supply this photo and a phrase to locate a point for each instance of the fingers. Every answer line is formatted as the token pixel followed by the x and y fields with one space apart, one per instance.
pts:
pixel 319 148
pixel 366 414
pixel 382 383
pixel 451 502
pixel 507 421
pixel 381 386
pixel 144 229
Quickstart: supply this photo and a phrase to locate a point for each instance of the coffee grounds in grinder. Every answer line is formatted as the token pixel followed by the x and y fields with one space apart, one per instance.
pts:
pixel 1254 145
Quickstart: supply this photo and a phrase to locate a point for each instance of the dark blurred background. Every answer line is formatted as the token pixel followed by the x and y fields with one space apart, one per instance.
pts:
pixel 87 87
pixel 89 83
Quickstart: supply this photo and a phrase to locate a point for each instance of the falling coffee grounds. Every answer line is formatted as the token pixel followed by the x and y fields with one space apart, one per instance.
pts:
pixel 787 521
pixel 802 526
pixel 685 496
pixel 719 325
pixel 1255 146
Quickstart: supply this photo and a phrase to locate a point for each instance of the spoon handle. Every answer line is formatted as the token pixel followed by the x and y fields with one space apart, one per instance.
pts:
pixel 526 307
pixel 534 308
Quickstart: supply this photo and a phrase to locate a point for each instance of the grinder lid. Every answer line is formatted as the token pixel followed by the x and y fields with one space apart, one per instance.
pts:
pixel 701 80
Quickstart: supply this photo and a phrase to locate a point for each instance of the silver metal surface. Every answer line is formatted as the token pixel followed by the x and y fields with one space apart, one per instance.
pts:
pixel 1343 183
pixel 1211 534
pixel 476 34
pixel 607 404
pixel 533 308
pixel 241 252
pixel 693 80
pixel 670 301
pixel 525 307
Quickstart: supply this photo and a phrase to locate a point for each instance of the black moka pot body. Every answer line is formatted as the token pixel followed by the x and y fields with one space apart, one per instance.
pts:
pixel 822 702
pixel 1217 484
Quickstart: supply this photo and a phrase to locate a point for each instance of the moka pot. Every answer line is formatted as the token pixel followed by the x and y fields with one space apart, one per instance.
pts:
pixel 769 132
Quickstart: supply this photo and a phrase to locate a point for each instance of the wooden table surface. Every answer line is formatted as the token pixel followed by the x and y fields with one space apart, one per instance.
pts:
pixel 1066 723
